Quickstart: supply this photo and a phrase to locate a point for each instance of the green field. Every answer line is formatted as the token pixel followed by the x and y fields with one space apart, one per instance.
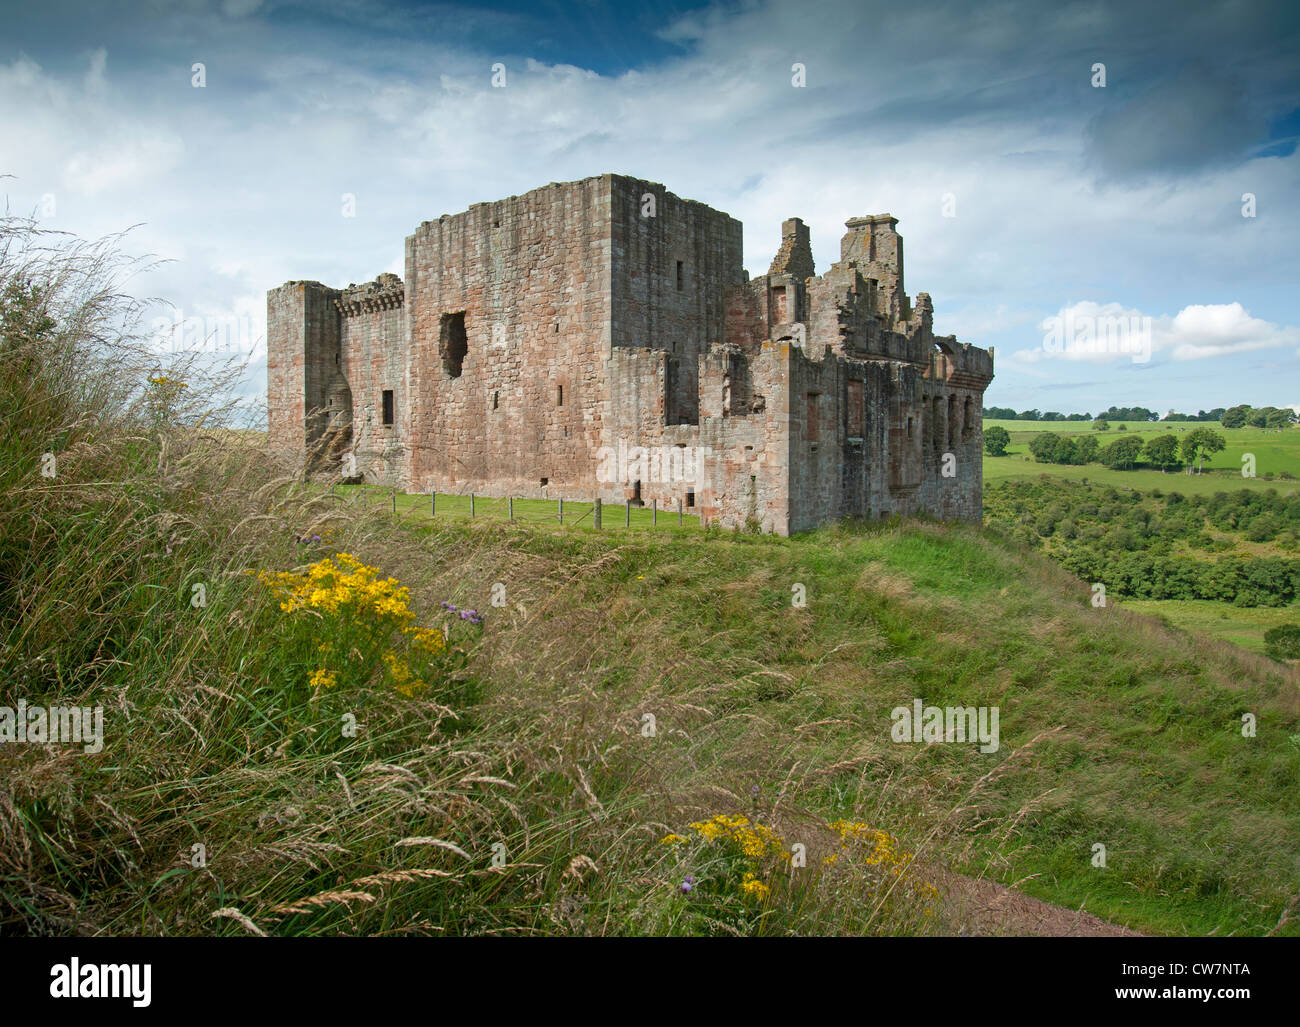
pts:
pixel 1276 453
pixel 1243 626
pixel 542 513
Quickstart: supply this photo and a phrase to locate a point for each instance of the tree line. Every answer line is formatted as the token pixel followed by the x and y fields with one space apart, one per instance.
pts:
pixel 1241 416
pixel 1165 452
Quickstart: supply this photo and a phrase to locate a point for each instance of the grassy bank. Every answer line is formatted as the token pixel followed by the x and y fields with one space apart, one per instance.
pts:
pixel 672 732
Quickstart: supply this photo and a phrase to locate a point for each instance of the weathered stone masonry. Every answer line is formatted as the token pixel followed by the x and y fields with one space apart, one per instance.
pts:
pixel 601 338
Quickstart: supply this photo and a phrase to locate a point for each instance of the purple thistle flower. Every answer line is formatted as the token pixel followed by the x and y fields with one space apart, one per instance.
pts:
pixel 476 620
pixel 464 615
pixel 450 607
pixel 686 887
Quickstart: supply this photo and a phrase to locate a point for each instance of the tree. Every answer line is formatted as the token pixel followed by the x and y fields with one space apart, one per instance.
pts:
pixel 1043 446
pixel 996 440
pixel 1200 443
pixel 1121 454
pixel 1066 451
pixel 1279 417
pixel 1162 451
pixel 1235 417
pixel 1086 447
pixel 1101 424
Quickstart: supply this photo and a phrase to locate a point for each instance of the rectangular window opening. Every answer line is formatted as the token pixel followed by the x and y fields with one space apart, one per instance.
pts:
pixel 559 395
pixel 388 406
pixel 680 276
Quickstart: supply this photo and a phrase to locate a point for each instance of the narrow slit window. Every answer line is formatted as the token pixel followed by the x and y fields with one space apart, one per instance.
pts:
pixel 681 276
pixel 454 343
pixel 496 400
pixel 559 395
pixel 388 406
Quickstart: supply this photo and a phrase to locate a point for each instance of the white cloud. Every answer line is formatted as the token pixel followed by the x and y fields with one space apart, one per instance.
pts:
pixel 1111 333
pixel 239 183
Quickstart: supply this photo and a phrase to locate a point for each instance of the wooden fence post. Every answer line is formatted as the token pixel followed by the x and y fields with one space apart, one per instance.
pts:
pixel 561 509
pixel 471 506
pixel 654 513
pixel 433 503
pixel 511 502
pixel 627 516
pixel 679 513
pixel 597 513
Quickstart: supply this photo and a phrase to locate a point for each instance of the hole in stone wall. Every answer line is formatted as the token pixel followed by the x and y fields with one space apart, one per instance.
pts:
pixel 636 493
pixel 545 482
pixel 680 276
pixel 559 395
pixel 690 497
pixel 454 343
pixel 496 400
pixel 388 406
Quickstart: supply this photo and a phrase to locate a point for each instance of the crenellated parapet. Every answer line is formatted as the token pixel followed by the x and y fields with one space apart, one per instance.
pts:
pixel 385 293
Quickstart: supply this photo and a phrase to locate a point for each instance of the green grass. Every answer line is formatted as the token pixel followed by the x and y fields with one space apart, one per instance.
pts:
pixel 522 793
pixel 541 513
pixel 1275 452
pixel 1243 626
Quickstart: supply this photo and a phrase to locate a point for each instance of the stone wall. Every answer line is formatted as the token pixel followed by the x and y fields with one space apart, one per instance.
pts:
pixel 601 338
pixel 529 277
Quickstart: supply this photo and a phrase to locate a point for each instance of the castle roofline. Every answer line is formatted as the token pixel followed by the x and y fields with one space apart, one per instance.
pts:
pixel 609 176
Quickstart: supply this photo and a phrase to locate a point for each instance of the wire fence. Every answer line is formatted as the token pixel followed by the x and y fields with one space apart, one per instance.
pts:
pixel 558 512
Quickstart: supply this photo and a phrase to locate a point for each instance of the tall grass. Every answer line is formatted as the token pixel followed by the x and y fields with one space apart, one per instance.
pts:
pixel 630 686
pixel 228 797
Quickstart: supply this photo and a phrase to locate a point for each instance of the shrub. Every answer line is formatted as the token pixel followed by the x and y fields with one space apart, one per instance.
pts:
pixel 1283 642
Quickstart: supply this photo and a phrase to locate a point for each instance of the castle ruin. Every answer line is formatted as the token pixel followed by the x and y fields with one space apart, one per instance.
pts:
pixel 600 338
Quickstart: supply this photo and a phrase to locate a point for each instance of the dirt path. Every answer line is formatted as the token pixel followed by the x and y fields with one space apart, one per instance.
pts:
pixel 984 908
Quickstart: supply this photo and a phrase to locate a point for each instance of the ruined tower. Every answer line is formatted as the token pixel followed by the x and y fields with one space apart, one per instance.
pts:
pixel 601 338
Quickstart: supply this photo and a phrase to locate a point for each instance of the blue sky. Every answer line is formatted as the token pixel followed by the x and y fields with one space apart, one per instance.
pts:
pixel 1024 192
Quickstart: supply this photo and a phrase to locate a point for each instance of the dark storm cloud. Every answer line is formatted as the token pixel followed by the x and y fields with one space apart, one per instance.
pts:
pixel 1195 120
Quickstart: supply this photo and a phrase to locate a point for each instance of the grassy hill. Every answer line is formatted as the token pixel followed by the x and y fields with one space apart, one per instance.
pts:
pixel 321 718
